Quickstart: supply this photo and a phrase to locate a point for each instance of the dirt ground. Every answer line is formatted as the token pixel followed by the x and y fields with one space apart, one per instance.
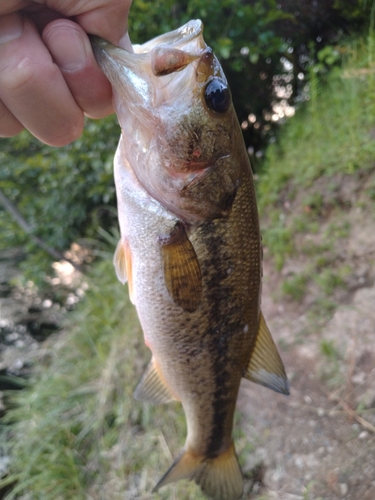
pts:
pixel 318 443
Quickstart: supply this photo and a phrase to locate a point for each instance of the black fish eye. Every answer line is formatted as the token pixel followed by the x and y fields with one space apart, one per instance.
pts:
pixel 217 96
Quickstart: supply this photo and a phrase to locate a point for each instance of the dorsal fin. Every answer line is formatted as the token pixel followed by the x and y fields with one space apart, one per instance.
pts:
pixel 182 272
pixel 152 388
pixel 265 367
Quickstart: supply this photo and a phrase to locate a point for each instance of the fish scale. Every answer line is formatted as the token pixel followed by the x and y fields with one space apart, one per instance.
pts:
pixel 190 245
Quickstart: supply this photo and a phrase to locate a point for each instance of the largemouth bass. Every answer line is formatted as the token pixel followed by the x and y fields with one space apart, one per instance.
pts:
pixel 190 246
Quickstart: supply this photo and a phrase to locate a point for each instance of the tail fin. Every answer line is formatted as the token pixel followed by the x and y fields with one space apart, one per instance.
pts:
pixel 220 478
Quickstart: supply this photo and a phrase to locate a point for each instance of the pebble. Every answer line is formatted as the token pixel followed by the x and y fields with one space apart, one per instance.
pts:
pixel 11 337
pixel 363 435
pixel 344 488
pixel 17 365
pixel 359 378
pixel 4 462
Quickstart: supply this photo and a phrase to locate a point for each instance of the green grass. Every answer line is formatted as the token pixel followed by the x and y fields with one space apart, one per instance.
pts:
pixel 76 431
pixel 326 145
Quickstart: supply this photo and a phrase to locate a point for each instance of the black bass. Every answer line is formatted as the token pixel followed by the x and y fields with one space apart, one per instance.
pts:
pixel 190 245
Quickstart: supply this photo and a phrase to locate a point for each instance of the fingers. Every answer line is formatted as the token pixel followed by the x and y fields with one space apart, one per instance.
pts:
pixel 71 50
pixel 49 81
pixel 9 125
pixel 105 18
pixel 32 87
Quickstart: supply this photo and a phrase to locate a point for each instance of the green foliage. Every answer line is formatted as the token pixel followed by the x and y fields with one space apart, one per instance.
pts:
pixel 331 369
pixel 295 286
pixel 61 192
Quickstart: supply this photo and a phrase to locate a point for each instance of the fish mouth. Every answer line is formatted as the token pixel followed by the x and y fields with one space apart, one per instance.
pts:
pixel 169 53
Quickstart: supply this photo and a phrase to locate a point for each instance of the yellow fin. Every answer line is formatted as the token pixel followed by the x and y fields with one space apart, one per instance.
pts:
pixel 123 265
pixel 220 478
pixel 181 269
pixel 265 367
pixel 151 388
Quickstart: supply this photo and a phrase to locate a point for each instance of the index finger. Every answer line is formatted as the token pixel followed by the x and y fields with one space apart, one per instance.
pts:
pixel 105 18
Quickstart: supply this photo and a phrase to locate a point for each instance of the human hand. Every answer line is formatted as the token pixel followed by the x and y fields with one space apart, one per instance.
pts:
pixel 49 78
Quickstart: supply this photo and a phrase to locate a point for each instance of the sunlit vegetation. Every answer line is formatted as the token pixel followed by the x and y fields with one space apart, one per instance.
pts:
pixel 319 169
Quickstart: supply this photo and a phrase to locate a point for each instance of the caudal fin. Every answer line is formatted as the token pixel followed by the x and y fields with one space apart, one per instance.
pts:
pixel 220 478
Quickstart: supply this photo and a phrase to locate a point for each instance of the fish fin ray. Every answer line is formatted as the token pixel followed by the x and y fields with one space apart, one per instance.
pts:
pixel 152 388
pixel 182 272
pixel 123 265
pixel 220 478
pixel 266 367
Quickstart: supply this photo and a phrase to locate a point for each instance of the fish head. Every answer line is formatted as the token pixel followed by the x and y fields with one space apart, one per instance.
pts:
pixel 178 124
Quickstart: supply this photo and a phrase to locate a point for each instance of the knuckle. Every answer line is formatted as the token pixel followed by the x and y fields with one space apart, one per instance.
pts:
pixel 17 75
pixel 27 77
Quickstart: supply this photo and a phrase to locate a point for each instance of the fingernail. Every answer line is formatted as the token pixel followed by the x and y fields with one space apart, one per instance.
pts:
pixel 68 48
pixel 11 27
pixel 125 43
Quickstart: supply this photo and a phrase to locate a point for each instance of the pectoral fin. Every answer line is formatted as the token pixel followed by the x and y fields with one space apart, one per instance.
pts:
pixel 151 388
pixel 265 367
pixel 123 265
pixel 181 269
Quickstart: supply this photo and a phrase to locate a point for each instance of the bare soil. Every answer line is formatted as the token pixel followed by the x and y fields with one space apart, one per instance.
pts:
pixel 319 442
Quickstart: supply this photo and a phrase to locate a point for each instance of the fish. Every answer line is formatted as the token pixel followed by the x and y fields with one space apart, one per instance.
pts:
pixel 190 246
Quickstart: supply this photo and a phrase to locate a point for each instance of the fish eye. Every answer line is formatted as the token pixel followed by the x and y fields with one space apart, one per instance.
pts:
pixel 217 96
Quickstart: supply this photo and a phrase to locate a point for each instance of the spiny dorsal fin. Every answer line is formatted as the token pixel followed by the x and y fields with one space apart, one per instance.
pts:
pixel 265 367
pixel 181 269
pixel 151 388
pixel 220 478
pixel 123 265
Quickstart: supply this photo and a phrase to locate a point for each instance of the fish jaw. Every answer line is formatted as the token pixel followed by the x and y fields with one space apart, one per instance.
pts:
pixel 177 146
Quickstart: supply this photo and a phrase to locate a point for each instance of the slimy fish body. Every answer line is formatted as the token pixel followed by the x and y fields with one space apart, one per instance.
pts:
pixel 190 245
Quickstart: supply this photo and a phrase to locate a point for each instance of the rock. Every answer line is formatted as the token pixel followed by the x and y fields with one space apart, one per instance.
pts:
pixel 344 488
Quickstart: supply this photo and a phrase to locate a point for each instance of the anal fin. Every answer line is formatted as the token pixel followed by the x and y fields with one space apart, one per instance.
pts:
pixel 123 265
pixel 182 272
pixel 220 478
pixel 152 388
pixel 265 367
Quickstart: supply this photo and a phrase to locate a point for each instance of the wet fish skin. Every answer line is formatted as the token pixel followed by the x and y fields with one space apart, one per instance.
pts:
pixel 190 247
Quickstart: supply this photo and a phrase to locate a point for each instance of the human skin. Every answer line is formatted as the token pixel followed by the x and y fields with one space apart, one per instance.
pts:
pixel 49 79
